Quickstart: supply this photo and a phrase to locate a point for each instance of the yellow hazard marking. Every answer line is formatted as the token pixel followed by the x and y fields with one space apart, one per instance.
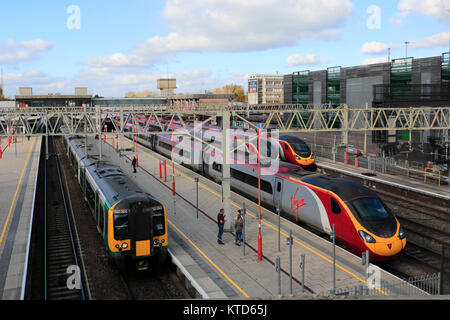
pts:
pixel 209 260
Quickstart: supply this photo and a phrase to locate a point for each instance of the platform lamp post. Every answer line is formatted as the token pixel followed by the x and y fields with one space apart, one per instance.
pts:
pixel 259 200
pixel 173 176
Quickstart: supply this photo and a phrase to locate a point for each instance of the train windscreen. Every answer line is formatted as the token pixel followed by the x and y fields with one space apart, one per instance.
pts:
pixel 299 146
pixel 370 209
pixel 158 221
pixel 121 226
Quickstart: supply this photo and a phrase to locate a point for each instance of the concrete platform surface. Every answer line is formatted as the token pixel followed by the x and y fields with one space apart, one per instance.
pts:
pixel 18 176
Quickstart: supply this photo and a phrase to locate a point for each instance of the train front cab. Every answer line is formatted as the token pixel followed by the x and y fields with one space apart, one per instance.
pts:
pixel 377 230
pixel 137 232
pixel 296 151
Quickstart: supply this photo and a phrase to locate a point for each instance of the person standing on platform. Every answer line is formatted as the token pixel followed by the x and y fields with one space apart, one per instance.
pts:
pixel 133 163
pixel 238 226
pixel 220 222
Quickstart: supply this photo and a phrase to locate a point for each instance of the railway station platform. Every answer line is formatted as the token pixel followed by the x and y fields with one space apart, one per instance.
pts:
pixel 18 176
pixel 223 271
pixel 431 188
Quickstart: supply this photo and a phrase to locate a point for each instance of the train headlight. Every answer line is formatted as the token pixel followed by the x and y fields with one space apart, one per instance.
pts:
pixel 401 233
pixel 296 157
pixel 124 245
pixel 155 242
pixel 366 237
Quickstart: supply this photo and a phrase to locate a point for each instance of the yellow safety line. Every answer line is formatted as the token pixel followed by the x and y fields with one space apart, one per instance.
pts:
pixel 17 191
pixel 209 260
pixel 268 224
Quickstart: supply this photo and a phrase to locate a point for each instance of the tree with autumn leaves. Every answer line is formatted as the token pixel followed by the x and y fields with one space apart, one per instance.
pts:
pixel 237 90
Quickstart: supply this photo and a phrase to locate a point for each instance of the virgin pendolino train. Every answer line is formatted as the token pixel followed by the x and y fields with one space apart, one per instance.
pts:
pixel 291 149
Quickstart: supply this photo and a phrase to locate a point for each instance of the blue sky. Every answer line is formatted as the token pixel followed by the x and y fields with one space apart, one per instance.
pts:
pixel 125 46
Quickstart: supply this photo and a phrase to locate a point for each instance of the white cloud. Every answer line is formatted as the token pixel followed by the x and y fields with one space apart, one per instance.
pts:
pixel 374 60
pixel 12 51
pixel 432 8
pixel 234 26
pixel 304 60
pixel 38 80
pixel 436 40
pixel 27 78
pixel 374 47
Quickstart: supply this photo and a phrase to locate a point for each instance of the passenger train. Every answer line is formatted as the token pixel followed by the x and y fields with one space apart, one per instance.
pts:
pixel 361 220
pixel 132 223
pixel 290 148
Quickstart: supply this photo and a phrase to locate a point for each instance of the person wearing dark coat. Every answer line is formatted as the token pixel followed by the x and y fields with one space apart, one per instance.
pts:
pixel 133 163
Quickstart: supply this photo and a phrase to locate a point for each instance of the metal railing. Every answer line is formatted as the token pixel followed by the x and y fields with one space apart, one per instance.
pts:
pixel 424 285
pixel 385 165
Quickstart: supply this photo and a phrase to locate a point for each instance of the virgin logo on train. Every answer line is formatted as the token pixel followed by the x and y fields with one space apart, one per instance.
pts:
pixel 296 203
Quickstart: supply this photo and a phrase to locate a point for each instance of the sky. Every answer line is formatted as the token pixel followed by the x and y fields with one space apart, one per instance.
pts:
pixel 113 47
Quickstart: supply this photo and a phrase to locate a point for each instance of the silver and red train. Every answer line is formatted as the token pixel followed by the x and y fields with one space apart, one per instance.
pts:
pixel 361 220
pixel 290 148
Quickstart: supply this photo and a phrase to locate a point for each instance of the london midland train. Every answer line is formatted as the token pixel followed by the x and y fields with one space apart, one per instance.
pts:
pixel 361 220
pixel 132 223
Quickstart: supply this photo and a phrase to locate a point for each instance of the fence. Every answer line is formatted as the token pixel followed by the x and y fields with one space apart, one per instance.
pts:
pixel 387 165
pixel 417 286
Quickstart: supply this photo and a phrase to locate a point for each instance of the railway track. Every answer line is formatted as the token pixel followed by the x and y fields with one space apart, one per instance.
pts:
pixel 160 283
pixel 63 276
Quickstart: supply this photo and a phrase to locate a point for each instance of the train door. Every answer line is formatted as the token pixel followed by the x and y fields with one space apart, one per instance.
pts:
pixel 153 140
pixel 97 209
pixel 141 227
pixel 336 217
pixel 277 194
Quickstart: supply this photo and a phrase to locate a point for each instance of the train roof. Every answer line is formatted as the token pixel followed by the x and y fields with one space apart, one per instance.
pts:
pixel 292 139
pixel 114 183
pixel 344 188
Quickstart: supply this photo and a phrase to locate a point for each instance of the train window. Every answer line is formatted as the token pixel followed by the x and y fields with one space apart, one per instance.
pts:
pixel 251 180
pixel 217 167
pixel 279 187
pixel 90 195
pixel 370 209
pixel 97 208
pixel 158 222
pixel 165 145
pixel 335 207
pixel 121 226
pixel 102 218
pixel 82 176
